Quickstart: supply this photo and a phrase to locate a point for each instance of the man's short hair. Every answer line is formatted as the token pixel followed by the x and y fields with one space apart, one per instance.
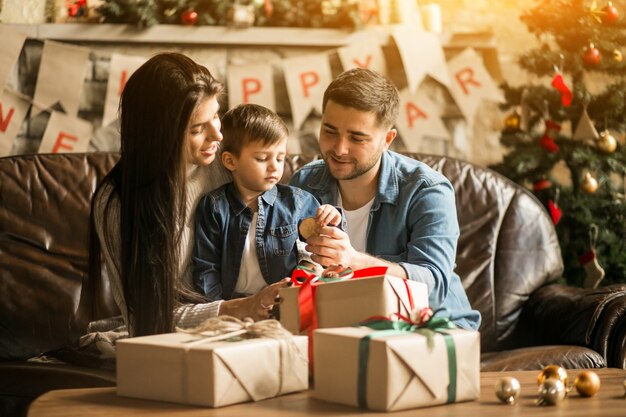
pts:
pixel 365 90
pixel 248 123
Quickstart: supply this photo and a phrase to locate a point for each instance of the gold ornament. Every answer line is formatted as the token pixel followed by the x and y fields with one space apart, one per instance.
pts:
pixel 617 55
pixel 507 389
pixel 589 184
pixel 551 391
pixel 241 15
pixel 587 383
pixel 552 371
pixel 512 122
pixel 606 142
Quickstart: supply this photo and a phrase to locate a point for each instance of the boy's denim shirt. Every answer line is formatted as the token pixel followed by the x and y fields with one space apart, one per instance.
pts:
pixel 222 224
pixel 412 222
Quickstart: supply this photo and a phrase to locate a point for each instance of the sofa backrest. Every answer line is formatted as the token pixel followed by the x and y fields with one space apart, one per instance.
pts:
pixel 44 212
pixel 507 249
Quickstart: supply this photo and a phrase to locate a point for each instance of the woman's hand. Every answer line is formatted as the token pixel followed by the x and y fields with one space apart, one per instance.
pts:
pixel 255 306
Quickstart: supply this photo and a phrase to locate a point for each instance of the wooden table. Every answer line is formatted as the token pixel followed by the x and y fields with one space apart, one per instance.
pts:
pixel 97 402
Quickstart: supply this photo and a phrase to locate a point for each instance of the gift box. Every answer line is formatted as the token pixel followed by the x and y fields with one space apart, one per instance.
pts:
pixel 347 302
pixel 194 369
pixel 392 370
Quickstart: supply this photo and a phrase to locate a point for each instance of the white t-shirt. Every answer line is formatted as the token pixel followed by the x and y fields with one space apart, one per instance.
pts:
pixel 356 221
pixel 250 280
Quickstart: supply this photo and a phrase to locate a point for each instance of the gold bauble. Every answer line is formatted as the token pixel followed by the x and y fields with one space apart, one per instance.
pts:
pixel 617 55
pixel 552 371
pixel 587 383
pixel 606 142
pixel 512 121
pixel 551 391
pixel 589 184
pixel 507 389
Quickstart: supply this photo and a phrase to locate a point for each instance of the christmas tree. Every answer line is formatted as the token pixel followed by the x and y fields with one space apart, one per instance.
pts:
pixel 564 132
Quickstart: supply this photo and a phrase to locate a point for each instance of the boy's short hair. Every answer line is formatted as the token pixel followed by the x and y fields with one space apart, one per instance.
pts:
pixel 251 123
pixel 365 90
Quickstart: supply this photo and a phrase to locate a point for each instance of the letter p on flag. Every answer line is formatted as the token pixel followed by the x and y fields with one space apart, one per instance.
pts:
pixel 250 86
pixel 307 80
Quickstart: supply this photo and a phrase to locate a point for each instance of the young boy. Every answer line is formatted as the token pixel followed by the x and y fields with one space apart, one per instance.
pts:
pixel 247 230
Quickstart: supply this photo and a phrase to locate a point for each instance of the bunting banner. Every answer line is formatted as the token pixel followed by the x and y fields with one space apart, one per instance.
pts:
pixel 363 55
pixel 419 118
pixel 471 83
pixel 120 69
pixel 422 54
pixel 251 84
pixel 306 77
pixel 66 134
pixel 61 76
pixel 13 109
pixel 12 42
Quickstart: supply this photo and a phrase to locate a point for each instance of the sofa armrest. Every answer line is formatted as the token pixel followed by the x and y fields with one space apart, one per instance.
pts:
pixel 563 315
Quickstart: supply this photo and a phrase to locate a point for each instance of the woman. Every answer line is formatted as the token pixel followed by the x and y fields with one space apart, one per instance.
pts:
pixel 142 211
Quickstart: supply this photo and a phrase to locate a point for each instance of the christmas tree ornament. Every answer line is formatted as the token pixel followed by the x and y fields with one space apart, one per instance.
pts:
pixel 585 129
pixel 189 17
pixel 606 142
pixel 566 94
pixel 595 12
pixel 589 184
pixel 547 140
pixel 617 55
pixel 241 15
pixel 610 13
pixel 512 122
pixel 553 371
pixel 507 389
pixel 268 8
pixel 587 383
pixel 551 392
pixel 542 184
pixel 555 212
pixel 594 273
pixel 592 56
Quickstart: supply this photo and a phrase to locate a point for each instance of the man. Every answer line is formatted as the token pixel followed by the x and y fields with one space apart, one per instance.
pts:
pixel 399 212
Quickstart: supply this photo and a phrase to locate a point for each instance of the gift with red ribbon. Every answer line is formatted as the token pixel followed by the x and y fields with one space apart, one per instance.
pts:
pixel 391 364
pixel 316 302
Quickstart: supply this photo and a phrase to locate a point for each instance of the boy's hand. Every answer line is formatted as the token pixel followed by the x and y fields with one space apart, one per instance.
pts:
pixel 327 215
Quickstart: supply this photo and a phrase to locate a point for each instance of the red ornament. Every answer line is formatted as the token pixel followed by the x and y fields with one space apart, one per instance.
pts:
pixel 555 212
pixel 592 56
pixel 610 14
pixel 566 94
pixel 547 140
pixel 189 17
pixel 542 184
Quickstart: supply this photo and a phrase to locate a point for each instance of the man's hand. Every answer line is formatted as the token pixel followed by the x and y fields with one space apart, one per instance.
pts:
pixel 331 247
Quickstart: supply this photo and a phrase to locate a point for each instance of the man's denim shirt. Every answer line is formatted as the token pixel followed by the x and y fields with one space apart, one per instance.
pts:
pixel 222 224
pixel 412 222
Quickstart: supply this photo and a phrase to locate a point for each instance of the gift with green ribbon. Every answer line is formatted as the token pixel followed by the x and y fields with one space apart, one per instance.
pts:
pixel 395 364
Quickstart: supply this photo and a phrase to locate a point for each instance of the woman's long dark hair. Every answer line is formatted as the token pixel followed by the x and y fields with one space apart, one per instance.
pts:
pixel 149 181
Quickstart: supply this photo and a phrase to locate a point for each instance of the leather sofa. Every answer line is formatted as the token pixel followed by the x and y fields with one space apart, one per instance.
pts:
pixel 508 258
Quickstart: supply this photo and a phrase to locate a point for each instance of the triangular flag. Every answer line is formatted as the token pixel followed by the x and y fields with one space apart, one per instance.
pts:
pixel 251 84
pixel 10 48
pixel 66 134
pixel 471 83
pixel 585 129
pixel 363 55
pixel 120 69
pixel 61 76
pixel 422 54
pixel 419 118
pixel 307 78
